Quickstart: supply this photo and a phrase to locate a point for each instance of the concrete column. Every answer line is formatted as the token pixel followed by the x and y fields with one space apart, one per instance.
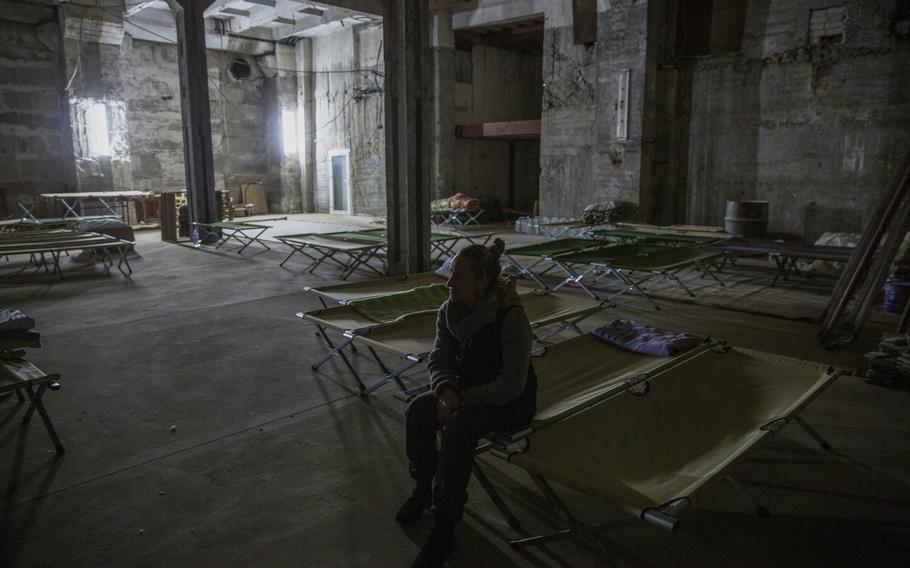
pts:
pixel 197 119
pixel 442 43
pixel 306 115
pixel 409 135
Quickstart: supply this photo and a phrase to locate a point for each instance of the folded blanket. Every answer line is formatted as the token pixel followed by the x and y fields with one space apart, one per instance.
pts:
pixel 12 319
pixel 646 339
pixel 387 309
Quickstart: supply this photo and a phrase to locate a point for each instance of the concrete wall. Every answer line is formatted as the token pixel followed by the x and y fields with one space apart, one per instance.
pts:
pixel 493 85
pixel 582 161
pixel 816 130
pixel 155 123
pixel 139 82
pixel 349 115
pixel 34 137
pixel 242 140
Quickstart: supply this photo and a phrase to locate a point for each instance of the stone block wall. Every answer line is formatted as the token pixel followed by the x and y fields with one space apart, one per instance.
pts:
pixel 349 115
pixel 582 160
pixel 35 151
pixel 817 130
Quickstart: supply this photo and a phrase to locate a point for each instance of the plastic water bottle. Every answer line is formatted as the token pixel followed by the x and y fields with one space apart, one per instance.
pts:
pixel 195 237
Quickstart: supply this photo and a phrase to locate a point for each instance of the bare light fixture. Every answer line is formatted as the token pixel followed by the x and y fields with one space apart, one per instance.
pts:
pixel 289 131
pixel 97 135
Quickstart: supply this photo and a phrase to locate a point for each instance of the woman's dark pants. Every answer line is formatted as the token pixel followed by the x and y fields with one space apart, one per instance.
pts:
pixel 450 464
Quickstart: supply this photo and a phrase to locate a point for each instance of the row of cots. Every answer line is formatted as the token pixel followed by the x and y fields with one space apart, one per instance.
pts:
pixel 639 432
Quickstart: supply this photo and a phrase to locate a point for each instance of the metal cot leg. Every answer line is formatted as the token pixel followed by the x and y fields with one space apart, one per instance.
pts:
pixel 36 404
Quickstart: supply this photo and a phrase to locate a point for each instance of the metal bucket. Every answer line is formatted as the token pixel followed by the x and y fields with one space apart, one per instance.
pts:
pixel 746 218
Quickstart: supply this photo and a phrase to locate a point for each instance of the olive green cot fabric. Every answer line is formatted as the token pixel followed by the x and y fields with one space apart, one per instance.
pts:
pixel 559 246
pixel 664 259
pixel 584 370
pixel 609 254
pixel 642 451
pixel 344 293
pixel 394 307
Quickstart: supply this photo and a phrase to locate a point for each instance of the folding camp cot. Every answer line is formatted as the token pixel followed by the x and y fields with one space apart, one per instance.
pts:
pixel 643 433
pixel 29 221
pixel 456 217
pixel 559 229
pixel 73 203
pixel 785 255
pixel 359 250
pixel 655 261
pixel 362 315
pixel 442 243
pixel 544 253
pixel 675 228
pixel 238 230
pixel 412 337
pixel 667 236
pixel 39 245
pixel 18 375
pixel 345 293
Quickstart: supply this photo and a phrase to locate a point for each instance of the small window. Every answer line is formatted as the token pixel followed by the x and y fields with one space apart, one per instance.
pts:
pixel 289 131
pixel 92 130
pixel 828 25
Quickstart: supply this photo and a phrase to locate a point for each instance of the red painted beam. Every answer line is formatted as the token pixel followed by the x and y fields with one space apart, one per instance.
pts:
pixel 511 130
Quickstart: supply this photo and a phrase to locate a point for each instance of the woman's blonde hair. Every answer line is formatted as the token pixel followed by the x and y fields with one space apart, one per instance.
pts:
pixel 485 260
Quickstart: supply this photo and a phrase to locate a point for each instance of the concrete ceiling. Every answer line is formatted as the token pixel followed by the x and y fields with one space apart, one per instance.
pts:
pixel 523 35
pixel 272 20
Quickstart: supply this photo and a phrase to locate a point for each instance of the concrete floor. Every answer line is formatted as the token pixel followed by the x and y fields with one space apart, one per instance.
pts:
pixel 197 435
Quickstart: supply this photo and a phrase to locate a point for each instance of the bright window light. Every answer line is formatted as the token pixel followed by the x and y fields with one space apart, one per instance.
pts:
pixel 96 131
pixel 289 131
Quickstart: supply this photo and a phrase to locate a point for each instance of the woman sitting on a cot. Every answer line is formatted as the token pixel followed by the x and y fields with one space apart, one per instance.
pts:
pixel 481 381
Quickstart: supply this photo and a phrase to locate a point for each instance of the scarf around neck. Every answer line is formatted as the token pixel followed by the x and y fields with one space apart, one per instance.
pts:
pixel 464 321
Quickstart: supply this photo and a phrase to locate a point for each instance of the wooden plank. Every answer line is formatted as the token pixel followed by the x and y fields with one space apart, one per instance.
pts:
pixel 510 130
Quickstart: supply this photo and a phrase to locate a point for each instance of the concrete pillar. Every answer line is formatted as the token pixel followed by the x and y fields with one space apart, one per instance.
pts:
pixel 409 135
pixel 306 114
pixel 442 44
pixel 197 119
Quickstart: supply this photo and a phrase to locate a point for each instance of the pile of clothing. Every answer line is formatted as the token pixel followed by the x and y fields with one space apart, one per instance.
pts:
pixel 17 331
pixel 457 201
pixel 609 212
pixel 889 365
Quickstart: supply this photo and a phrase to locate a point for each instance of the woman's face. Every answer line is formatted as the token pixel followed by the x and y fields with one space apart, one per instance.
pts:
pixel 465 283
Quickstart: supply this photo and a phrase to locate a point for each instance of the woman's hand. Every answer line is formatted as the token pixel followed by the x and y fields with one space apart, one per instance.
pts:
pixel 446 405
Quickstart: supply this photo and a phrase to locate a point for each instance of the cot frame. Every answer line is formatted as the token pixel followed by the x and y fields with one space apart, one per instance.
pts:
pixel 39 246
pixel 27 378
pixel 358 250
pixel 453 217
pixel 785 255
pixel 665 516
pixel 413 359
pixel 602 269
pixel 537 277
pixel 224 231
